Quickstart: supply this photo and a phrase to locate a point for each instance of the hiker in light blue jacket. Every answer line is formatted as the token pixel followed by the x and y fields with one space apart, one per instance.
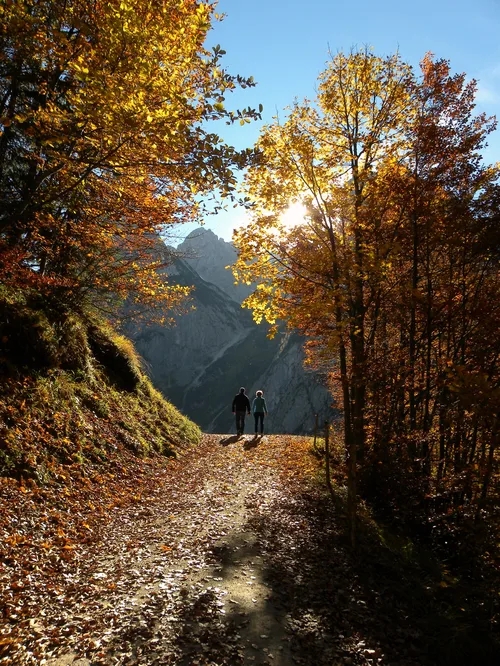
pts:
pixel 259 408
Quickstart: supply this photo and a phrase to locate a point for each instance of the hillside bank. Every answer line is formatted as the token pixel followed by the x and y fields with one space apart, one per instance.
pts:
pixel 81 432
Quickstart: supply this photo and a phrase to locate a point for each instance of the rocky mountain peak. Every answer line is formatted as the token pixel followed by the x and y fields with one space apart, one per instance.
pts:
pixel 209 255
pixel 200 363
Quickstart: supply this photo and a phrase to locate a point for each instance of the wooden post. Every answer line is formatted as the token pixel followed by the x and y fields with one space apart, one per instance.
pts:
pixel 327 458
pixel 315 432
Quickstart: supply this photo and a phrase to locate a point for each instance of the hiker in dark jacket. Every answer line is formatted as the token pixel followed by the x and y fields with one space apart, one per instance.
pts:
pixel 241 406
pixel 259 408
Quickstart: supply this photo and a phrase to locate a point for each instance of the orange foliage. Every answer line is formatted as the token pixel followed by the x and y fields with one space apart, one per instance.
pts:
pixel 103 141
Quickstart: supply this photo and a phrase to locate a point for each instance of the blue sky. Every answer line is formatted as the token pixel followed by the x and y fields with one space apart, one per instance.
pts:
pixel 284 45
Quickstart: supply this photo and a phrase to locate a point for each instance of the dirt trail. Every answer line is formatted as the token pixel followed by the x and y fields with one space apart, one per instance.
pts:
pixel 231 558
pixel 184 581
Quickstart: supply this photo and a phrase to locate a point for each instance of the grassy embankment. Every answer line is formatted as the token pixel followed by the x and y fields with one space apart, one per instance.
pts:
pixel 81 427
pixel 73 394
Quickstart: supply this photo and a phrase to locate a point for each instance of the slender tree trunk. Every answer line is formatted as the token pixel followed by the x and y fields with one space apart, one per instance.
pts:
pixel 489 469
pixel 315 431
pixel 412 339
pixel 349 439
pixel 350 446
pixel 443 425
pixel 426 425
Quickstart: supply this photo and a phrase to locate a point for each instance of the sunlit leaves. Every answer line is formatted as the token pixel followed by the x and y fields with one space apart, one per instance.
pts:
pixel 392 273
pixel 103 118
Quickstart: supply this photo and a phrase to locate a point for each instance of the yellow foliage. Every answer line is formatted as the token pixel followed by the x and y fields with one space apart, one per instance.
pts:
pixel 113 123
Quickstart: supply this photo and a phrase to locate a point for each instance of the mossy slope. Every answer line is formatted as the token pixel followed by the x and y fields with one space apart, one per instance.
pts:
pixel 72 393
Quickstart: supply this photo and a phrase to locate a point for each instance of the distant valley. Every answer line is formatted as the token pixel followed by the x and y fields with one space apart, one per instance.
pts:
pixel 200 363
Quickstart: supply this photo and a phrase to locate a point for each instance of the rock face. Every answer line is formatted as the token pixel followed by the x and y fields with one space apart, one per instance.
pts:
pixel 209 255
pixel 200 363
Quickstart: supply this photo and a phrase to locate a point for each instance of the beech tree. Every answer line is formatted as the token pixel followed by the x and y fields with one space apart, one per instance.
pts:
pixel 388 167
pixel 316 275
pixel 105 109
pixel 447 277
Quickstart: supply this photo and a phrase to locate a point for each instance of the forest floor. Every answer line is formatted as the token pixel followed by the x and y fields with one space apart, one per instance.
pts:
pixel 231 555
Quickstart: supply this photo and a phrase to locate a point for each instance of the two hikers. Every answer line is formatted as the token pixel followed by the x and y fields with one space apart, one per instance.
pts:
pixel 241 407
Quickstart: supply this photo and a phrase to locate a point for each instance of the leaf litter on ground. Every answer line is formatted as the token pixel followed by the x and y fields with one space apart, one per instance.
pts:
pixel 232 554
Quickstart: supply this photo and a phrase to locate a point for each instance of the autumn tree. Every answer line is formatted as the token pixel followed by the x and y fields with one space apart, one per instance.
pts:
pixel 105 111
pixel 447 277
pixel 319 276
pixel 388 167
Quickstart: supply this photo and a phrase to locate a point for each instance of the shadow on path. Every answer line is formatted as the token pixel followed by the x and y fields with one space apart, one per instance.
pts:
pixel 252 443
pixel 371 607
pixel 231 439
pixel 248 443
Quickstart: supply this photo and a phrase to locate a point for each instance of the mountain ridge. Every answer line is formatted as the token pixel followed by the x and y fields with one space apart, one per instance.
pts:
pixel 201 362
pixel 210 256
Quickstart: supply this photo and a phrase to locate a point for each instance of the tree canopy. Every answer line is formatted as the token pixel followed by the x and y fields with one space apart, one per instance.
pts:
pixel 105 111
pixel 393 272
